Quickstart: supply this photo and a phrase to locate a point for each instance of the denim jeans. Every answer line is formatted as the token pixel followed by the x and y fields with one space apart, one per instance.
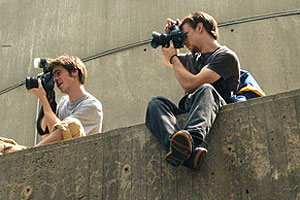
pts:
pixel 201 108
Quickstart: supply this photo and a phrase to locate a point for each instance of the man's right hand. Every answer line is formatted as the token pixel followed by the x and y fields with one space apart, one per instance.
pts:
pixel 168 51
pixel 39 92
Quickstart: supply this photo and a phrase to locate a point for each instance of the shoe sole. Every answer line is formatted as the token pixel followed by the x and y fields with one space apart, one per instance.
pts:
pixel 181 149
pixel 199 158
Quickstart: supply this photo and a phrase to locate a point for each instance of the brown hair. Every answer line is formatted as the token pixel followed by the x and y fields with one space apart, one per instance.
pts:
pixel 208 22
pixel 70 63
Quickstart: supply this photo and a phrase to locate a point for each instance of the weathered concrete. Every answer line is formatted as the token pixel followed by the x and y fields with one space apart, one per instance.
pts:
pixel 125 81
pixel 254 153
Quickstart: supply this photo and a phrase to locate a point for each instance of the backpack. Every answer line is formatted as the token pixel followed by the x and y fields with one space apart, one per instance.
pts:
pixel 248 88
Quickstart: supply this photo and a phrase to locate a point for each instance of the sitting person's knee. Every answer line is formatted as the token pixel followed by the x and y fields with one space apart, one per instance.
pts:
pixel 207 86
pixel 70 127
pixel 155 102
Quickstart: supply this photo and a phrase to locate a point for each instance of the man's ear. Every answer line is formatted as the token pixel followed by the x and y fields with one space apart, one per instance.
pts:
pixel 199 27
pixel 74 73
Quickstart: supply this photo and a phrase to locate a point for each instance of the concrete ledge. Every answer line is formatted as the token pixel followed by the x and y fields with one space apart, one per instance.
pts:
pixel 254 153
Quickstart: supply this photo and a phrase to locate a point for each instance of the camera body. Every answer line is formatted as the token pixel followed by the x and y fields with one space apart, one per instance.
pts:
pixel 46 77
pixel 163 39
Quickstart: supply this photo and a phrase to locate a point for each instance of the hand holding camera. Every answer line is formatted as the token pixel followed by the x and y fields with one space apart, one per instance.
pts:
pixel 169 52
pixel 46 77
pixel 39 91
pixel 170 22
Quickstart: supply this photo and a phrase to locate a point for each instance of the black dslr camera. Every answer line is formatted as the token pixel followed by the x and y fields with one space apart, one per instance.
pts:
pixel 46 77
pixel 176 35
pixel 47 80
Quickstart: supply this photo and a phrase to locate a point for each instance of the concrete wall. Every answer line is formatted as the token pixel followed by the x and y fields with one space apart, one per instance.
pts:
pixel 253 155
pixel 125 81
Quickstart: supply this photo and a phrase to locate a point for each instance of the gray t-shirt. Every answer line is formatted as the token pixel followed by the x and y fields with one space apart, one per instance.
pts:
pixel 87 109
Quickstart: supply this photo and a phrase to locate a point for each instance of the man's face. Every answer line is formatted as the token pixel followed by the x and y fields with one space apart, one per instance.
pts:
pixel 191 39
pixel 63 79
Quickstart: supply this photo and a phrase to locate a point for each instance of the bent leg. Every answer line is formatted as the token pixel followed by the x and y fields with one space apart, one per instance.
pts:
pixel 205 105
pixel 161 120
pixel 67 129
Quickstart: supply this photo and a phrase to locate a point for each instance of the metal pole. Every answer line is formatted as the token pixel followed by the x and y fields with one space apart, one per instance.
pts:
pixel 36 117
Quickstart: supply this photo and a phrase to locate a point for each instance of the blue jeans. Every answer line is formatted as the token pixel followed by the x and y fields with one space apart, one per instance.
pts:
pixel 201 108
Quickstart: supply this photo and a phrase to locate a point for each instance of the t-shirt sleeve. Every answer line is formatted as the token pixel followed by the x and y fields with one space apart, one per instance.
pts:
pixel 59 105
pixel 90 115
pixel 225 64
pixel 187 60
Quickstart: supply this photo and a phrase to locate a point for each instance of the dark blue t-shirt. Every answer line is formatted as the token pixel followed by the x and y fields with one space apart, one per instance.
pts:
pixel 222 61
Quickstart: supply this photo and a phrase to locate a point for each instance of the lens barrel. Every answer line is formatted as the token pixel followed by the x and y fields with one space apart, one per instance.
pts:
pixel 160 39
pixel 156 40
pixel 31 82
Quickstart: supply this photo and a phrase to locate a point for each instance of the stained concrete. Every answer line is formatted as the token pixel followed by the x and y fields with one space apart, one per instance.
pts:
pixel 125 81
pixel 254 153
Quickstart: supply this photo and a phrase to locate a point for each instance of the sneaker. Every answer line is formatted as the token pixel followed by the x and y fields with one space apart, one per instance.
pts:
pixel 181 146
pixel 196 159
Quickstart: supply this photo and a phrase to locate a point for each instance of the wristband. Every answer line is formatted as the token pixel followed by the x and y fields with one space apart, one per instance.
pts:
pixel 175 55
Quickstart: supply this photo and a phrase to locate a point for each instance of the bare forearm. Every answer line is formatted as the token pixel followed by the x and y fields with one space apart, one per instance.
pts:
pixel 191 82
pixel 166 56
pixel 183 76
pixel 49 116
pixel 166 62
pixel 53 137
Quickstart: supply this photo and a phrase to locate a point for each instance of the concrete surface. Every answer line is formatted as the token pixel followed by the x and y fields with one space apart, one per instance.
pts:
pixel 254 153
pixel 125 81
